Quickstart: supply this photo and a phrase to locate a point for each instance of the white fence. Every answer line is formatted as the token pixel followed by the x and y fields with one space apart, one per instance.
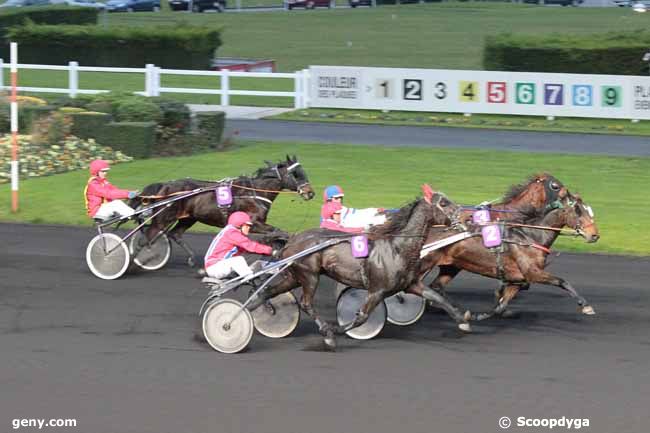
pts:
pixel 152 79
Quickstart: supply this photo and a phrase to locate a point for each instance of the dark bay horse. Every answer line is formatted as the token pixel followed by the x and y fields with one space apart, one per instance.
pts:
pixel 523 258
pixel 392 264
pixel 252 194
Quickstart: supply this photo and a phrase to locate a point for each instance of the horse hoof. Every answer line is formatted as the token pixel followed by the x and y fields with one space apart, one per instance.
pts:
pixel 588 310
pixel 508 314
pixel 465 327
pixel 190 262
pixel 330 343
pixel 467 316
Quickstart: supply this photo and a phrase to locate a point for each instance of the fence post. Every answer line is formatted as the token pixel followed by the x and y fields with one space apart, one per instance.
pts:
pixel 73 79
pixel 2 73
pixel 225 87
pixel 306 88
pixel 297 89
pixel 156 81
pixel 148 85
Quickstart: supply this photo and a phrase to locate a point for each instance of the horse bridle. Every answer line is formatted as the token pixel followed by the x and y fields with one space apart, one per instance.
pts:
pixel 292 176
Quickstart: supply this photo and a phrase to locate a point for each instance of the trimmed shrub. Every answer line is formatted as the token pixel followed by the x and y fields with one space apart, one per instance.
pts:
pixel 617 53
pixel 29 114
pixel 210 125
pixel 133 138
pixel 55 15
pixel 137 110
pixel 181 46
pixel 175 113
pixel 88 123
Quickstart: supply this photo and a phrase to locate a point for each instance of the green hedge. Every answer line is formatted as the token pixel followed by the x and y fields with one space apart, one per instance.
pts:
pixel 85 125
pixel 56 15
pixel 135 139
pixel 180 47
pixel 616 53
pixel 28 114
pixel 210 126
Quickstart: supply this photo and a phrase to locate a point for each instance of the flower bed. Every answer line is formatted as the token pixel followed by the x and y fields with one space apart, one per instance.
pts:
pixel 43 160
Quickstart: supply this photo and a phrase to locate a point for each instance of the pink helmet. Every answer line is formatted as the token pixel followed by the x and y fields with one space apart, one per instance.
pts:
pixel 97 165
pixel 330 209
pixel 238 219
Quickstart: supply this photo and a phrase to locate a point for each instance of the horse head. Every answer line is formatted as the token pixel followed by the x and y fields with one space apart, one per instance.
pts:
pixel 293 177
pixel 542 191
pixel 444 209
pixel 580 217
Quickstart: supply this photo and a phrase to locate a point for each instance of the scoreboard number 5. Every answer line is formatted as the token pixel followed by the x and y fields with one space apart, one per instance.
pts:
pixel 496 92
pixel 412 90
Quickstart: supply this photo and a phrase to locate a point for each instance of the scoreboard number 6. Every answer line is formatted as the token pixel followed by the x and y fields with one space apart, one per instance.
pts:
pixel 413 90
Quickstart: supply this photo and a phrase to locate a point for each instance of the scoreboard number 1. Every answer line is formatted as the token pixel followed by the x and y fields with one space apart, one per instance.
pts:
pixel 384 88
pixel 412 90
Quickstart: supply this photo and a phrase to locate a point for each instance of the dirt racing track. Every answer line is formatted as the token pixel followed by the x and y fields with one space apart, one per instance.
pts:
pixel 120 356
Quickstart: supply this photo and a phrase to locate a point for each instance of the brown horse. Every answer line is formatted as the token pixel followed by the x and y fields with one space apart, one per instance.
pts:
pixel 523 258
pixel 392 264
pixel 252 194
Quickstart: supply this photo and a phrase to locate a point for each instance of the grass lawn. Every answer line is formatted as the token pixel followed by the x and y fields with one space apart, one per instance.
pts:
pixel 616 187
pixel 492 121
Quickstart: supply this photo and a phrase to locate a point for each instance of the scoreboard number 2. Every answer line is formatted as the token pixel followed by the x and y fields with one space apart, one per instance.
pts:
pixel 412 90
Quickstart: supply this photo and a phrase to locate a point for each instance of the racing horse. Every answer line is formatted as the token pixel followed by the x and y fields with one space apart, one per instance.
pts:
pixel 391 266
pixel 252 194
pixel 541 193
pixel 522 260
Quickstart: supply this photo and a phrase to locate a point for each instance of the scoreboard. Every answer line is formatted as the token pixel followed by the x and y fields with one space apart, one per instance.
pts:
pixel 489 92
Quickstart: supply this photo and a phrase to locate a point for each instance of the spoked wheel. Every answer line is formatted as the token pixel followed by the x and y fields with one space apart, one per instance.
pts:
pixel 150 256
pixel 347 307
pixel 107 256
pixel 278 317
pixel 404 308
pixel 227 326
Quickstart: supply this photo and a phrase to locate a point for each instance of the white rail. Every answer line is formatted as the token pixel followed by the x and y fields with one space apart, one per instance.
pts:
pixel 152 79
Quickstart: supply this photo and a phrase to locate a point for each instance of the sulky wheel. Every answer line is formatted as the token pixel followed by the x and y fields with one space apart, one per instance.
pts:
pixel 150 256
pixel 347 307
pixel 404 308
pixel 227 326
pixel 278 317
pixel 107 256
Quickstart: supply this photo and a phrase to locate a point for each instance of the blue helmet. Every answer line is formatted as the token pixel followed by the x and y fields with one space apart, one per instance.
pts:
pixel 331 192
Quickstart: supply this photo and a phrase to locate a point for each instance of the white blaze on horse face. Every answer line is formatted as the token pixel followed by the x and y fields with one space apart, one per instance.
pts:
pixel 292 166
pixel 590 211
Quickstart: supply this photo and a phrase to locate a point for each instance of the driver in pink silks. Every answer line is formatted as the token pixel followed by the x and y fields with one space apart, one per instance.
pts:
pixel 351 217
pixel 223 255
pixel 103 200
pixel 331 218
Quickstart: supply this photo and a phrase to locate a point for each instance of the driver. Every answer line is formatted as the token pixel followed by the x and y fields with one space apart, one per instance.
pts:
pixel 223 255
pixel 103 199
pixel 351 217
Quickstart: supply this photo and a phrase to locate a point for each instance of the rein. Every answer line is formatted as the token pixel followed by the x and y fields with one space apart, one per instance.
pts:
pixel 212 188
pixel 572 232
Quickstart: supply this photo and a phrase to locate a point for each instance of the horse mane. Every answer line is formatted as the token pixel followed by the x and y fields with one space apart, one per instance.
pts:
pixel 396 221
pixel 516 189
pixel 527 214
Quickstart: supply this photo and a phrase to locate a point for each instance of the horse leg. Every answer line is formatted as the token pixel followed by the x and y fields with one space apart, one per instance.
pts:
pixel 442 301
pixel 176 234
pixel 309 282
pixel 372 300
pixel 446 273
pixel 534 274
pixel 508 292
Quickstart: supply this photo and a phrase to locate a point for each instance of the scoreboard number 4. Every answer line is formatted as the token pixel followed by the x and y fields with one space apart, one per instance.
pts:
pixel 468 91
